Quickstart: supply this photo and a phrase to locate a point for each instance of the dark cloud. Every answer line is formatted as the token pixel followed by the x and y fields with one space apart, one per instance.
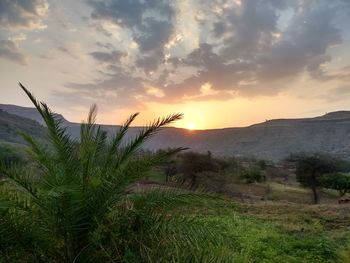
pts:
pixel 249 28
pixel 9 50
pixel 304 45
pixel 27 14
pixel 129 13
pixel 108 46
pixel 149 62
pixel 151 24
pixel 108 57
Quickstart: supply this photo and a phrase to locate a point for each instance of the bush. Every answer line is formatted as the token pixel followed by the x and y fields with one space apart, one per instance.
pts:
pixel 253 174
pixel 336 181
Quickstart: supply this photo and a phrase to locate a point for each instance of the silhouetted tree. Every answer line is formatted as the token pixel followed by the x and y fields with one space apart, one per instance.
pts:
pixel 310 169
pixel 192 164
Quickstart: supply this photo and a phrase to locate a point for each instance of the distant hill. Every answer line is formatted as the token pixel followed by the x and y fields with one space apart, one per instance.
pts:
pixel 26 112
pixel 273 139
pixel 11 125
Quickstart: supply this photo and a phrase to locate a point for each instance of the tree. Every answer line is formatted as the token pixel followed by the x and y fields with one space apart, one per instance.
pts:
pixel 336 181
pixel 71 205
pixel 192 164
pixel 310 169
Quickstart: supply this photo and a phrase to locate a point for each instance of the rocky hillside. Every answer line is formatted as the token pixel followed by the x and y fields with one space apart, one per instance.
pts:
pixel 12 125
pixel 273 139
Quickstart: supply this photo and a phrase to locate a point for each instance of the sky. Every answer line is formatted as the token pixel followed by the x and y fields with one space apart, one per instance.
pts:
pixel 223 63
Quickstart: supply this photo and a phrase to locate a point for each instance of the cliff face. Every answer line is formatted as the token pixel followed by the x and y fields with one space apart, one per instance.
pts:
pixel 273 139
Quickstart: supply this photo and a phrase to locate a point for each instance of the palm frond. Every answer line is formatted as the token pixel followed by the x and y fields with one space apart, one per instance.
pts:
pixel 20 178
pixel 144 135
pixel 114 187
pixel 117 140
pixel 92 143
pixel 63 145
pixel 41 156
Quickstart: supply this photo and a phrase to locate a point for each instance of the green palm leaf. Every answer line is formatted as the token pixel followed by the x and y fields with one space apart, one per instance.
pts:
pixel 73 202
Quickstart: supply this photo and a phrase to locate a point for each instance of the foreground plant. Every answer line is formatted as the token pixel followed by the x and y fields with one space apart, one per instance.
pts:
pixel 72 203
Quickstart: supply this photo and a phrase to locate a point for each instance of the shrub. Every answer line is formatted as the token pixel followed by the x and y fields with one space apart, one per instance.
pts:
pixel 336 181
pixel 253 174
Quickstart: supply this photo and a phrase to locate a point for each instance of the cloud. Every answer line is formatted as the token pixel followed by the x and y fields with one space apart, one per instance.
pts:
pixel 24 14
pixel 337 94
pixel 110 57
pixel 9 49
pixel 117 87
pixel 304 45
pixel 150 23
pixel 246 29
pixel 214 69
pixel 66 51
pixel 108 46
pixel 342 90
pixel 251 52
pixel 241 48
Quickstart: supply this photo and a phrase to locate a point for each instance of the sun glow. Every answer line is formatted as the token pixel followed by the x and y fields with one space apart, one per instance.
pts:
pixel 191 126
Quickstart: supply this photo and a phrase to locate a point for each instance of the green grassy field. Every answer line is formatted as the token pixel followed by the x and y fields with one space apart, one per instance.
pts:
pixel 282 232
pixel 277 222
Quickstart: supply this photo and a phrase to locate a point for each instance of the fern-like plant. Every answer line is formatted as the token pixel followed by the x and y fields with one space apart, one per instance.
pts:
pixel 72 204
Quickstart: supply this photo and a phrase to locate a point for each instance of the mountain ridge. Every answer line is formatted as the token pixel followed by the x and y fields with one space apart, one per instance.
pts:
pixel 274 139
pixel 32 113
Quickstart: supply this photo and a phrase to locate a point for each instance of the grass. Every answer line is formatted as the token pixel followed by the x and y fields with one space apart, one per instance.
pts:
pixel 278 232
pixel 286 229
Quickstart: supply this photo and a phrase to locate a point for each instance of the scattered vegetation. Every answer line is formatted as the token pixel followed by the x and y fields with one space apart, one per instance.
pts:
pixel 73 205
pixel 92 201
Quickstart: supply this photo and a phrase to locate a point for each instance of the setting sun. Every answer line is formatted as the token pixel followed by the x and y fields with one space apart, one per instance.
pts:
pixel 191 126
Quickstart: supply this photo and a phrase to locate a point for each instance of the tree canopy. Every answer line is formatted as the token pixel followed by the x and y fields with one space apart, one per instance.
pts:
pixel 310 169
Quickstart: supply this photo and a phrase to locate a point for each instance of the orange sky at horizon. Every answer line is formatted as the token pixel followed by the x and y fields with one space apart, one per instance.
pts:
pixel 220 63
pixel 240 112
